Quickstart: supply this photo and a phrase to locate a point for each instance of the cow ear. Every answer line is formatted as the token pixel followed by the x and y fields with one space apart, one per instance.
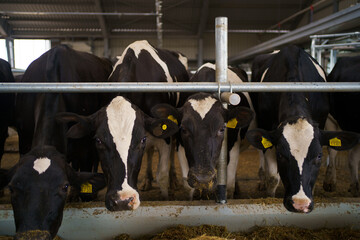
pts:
pixel 261 139
pixel 339 140
pixel 81 128
pixel 239 117
pixel 161 128
pixel 164 110
pixel 86 182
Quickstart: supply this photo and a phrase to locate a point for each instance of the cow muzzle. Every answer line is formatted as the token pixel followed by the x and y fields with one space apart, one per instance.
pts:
pixel 299 205
pixel 121 201
pixel 33 235
pixel 202 179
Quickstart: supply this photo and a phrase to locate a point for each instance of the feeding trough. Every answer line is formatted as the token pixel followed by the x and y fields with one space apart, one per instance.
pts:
pixel 93 221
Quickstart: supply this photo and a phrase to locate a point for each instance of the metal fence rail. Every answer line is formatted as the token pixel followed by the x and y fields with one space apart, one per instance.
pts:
pixel 180 87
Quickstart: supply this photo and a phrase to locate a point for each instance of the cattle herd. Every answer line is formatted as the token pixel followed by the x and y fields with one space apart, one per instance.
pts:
pixel 64 136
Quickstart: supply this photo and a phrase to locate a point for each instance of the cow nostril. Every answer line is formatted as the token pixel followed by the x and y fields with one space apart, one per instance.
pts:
pixel 130 199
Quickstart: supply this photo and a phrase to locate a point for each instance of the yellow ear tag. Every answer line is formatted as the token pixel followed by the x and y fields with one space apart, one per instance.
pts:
pixel 172 118
pixel 86 188
pixel 232 123
pixel 265 142
pixel 335 142
pixel 164 127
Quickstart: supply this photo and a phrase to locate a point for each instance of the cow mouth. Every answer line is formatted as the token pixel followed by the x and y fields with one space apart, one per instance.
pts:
pixel 33 235
pixel 202 181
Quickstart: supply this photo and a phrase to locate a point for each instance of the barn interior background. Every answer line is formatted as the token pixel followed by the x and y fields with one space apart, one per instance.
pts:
pixel 106 27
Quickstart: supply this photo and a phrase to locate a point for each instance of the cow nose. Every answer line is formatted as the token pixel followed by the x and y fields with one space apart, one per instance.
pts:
pixel 202 179
pixel 302 205
pixel 116 203
pixel 33 235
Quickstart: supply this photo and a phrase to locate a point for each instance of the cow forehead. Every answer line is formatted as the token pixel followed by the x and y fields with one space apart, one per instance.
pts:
pixel 299 136
pixel 203 106
pixel 41 164
pixel 121 120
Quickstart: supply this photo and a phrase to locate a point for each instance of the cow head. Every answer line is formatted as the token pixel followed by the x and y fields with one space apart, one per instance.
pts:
pixel 39 186
pixel 202 121
pixel 119 131
pixel 298 145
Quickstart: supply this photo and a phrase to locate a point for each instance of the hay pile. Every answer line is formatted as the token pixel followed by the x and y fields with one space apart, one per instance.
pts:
pixel 211 232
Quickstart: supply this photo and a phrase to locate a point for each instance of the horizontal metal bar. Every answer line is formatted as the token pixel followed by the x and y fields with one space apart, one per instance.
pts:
pixel 77 13
pixel 350 34
pixel 338 45
pixel 180 87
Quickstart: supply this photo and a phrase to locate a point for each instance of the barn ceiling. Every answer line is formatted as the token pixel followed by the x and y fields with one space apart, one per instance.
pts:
pixel 119 18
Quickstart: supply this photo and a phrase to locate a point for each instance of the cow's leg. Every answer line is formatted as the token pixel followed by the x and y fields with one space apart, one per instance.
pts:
pixel 232 167
pixel 184 171
pixel 149 153
pixel 162 175
pixel 329 184
pixel 261 173
pixel 354 158
pixel 174 184
pixel 272 177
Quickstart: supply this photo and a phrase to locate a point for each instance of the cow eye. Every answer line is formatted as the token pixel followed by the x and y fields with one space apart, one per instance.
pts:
pixel 184 130
pixel 98 141
pixel 318 159
pixel 65 187
pixel 221 131
pixel 143 140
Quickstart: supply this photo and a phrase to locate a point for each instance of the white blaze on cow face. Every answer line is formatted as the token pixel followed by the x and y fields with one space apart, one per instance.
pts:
pixel 203 106
pixel 139 46
pixel 299 137
pixel 319 69
pixel 121 119
pixel 41 165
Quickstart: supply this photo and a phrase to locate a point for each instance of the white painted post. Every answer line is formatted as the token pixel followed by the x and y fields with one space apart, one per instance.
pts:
pixel 221 55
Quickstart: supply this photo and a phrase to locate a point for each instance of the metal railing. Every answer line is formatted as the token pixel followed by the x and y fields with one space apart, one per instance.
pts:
pixel 180 87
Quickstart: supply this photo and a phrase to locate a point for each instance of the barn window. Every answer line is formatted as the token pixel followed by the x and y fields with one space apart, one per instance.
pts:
pixel 28 50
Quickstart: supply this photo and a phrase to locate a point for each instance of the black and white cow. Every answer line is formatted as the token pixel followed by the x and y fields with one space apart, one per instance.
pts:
pixel 35 112
pixel 120 131
pixel 347 117
pixel 141 62
pixel 291 128
pixel 7 104
pixel 39 185
pixel 202 121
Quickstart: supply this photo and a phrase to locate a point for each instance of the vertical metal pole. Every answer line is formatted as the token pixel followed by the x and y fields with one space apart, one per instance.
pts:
pixel 313 53
pixel 332 60
pixel 10 51
pixel 221 55
pixel 159 23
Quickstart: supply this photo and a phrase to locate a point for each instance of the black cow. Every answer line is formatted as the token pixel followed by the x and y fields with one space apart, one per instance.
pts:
pixel 342 108
pixel 35 111
pixel 141 62
pixel 37 127
pixel 202 121
pixel 119 130
pixel 39 185
pixel 7 106
pixel 293 123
